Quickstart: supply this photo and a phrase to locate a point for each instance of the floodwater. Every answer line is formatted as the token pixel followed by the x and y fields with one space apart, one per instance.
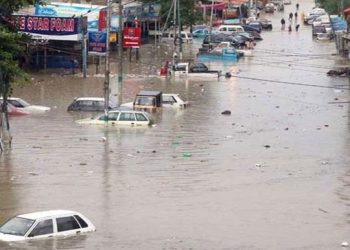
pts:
pixel 272 175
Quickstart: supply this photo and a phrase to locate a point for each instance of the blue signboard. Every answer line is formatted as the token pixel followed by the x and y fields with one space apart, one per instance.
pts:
pixel 50 28
pixel 97 42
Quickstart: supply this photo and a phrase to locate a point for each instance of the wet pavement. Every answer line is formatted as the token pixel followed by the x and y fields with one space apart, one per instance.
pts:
pixel 272 175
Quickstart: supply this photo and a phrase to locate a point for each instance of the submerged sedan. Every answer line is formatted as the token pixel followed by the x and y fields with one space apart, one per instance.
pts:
pixel 22 105
pixel 130 118
pixel 45 224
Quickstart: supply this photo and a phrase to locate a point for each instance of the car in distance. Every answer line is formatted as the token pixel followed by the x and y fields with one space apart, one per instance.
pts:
pixel 24 106
pixel 115 118
pixel 45 224
pixel 269 8
pixel 89 104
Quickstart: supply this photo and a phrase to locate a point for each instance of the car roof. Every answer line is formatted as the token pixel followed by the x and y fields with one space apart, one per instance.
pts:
pixel 149 92
pixel 48 213
pixel 89 98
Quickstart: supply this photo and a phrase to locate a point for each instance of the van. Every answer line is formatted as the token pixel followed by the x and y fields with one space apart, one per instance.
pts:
pixel 171 36
pixel 229 29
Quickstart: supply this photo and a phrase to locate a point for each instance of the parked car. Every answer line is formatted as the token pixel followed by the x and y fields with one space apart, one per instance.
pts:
pixel 45 224
pixel 114 118
pixel 255 24
pixel 25 106
pixel 12 110
pixel 200 33
pixel 313 14
pixel 269 8
pixel 90 104
pixel 228 29
pixel 248 28
pixel 171 36
pixel 266 24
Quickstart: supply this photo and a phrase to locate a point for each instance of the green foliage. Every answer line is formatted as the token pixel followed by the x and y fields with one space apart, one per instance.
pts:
pixel 334 7
pixel 10 44
pixel 188 13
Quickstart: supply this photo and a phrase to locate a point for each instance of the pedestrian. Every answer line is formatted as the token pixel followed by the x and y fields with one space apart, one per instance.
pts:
pixel 283 23
pixel 297 27
pixel 290 16
pixel 296 15
pixel 297 6
pixel 289 27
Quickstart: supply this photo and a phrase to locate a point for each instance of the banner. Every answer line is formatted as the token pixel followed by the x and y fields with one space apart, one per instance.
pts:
pixel 49 28
pixel 131 37
pixel 97 42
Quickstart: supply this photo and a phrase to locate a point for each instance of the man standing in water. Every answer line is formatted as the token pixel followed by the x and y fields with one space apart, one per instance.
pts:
pixel 283 23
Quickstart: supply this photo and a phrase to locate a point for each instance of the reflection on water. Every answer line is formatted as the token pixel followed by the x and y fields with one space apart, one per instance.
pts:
pixel 198 179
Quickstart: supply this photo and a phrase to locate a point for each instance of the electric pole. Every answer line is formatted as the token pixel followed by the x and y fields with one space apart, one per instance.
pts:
pixel 120 53
pixel 107 61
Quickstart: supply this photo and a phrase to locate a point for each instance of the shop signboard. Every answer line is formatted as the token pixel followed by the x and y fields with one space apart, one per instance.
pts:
pixel 97 42
pixel 49 28
pixel 131 37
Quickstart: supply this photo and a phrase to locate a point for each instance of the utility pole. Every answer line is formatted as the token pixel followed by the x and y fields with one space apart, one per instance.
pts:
pixel 179 23
pixel 120 53
pixel 211 22
pixel 107 61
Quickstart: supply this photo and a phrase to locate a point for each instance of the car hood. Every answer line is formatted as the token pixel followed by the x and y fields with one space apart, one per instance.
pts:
pixel 10 237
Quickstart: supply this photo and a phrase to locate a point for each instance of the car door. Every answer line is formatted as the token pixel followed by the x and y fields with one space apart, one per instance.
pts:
pixel 67 225
pixel 42 229
pixel 126 119
pixel 113 118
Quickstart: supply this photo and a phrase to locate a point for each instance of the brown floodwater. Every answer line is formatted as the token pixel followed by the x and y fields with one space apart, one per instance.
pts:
pixel 272 175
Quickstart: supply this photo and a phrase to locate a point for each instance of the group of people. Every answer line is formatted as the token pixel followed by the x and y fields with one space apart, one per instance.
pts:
pixel 290 19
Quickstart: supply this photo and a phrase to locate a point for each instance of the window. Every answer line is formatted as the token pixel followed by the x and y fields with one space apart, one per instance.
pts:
pixel 102 118
pixel 127 116
pixel 145 101
pixel 113 116
pixel 140 117
pixel 43 227
pixel 82 223
pixel 16 226
pixel 15 103
pixel 66 224
pixel 168 100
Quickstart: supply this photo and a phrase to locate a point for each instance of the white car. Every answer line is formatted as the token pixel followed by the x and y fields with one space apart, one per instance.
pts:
pixel 25 106
pixel 130 118
pixel 168 100
pixel 45 224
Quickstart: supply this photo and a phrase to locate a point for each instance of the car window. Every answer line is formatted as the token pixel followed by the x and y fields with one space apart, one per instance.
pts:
pixel 66 224
pixel 140 117
pixel 102 118
pixel 113 116
pixel 126 116
pixel 15 103
pixel 168 100
pixel 16 226
pixel 82 223
pixel 42 228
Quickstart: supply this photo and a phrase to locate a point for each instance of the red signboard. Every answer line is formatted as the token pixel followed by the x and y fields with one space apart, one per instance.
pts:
pixel 131 37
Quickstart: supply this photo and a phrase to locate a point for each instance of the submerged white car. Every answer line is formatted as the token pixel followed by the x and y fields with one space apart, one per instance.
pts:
pixel 45 224
pixel 25 106
pixel 120 118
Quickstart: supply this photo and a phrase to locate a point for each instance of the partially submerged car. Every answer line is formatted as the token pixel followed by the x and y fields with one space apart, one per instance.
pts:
pixel 12 110
pixel 195 69
pixel 21 104
pixel 113 118
pixel 153 100
pixel 45 224
pixel 269 8
pixel 90 104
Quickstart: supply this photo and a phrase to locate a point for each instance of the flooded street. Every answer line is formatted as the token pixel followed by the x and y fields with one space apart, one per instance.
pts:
pixel 272 175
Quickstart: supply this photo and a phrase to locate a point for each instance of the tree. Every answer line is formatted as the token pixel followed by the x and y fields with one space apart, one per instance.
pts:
pixel 188 14
pixel 334 7
pixel 10 49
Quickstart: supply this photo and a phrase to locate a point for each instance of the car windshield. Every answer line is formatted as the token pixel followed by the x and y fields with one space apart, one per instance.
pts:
pixel 16 226
pixel 23 103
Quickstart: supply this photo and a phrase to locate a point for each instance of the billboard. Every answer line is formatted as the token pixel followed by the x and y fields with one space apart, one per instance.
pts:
pixel 49 28
pixel 131 37
pixel 97 42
